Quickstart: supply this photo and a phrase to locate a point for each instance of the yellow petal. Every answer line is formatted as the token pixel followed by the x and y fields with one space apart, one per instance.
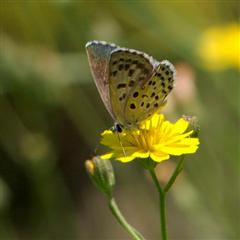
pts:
pixel 181 126
pixel 141 154
pixel 158 157
pixel 106 132
pixel 176 138
pixel 183 147
pixel 106 156
pixel 125 159
pixel 109 138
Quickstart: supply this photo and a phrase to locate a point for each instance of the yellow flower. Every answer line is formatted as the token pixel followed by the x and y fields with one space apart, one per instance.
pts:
pixel 219 47
pixel 156 138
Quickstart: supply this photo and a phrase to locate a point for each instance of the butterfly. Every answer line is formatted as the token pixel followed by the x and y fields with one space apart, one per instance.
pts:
pixel 132 84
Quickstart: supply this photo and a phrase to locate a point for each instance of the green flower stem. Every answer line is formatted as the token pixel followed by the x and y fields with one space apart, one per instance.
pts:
pixel 120 218
pixel 162 207
pixel 176 172
pixel 162 194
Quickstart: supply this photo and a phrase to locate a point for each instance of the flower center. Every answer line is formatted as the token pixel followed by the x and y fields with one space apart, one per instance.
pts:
pixel 146 139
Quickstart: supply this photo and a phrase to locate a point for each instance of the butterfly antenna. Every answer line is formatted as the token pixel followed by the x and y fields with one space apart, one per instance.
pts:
pixel 119 139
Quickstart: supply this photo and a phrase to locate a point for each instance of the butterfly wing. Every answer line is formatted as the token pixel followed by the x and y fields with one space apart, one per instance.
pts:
pixel 99 53
pixel 145 100
pixel 128 69
pixel 132 85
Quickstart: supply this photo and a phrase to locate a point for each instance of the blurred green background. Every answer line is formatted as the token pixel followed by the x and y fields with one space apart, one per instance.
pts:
pixel 51 117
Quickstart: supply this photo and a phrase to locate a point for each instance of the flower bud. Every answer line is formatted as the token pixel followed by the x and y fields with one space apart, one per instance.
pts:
pixel 102 174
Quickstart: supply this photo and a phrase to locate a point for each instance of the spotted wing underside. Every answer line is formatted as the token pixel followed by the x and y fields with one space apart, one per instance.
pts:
pixel 128 69
pixel 148 99
pixel 138 85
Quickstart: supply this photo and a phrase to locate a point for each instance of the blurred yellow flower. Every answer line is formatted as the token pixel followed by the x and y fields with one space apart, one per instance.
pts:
pixel 156 138
pixel 219 47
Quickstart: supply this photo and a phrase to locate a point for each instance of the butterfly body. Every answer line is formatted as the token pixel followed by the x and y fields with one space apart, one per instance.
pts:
pixel 132 84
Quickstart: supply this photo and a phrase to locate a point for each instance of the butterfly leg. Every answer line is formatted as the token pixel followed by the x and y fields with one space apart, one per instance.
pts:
pixel 119 139
pixel 96 148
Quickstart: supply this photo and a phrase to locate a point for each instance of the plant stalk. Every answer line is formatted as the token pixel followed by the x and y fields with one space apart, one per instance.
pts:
pixel 120 218
pixel 162 205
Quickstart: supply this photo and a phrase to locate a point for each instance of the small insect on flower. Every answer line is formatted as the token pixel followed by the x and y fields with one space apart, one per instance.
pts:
pixel 156 138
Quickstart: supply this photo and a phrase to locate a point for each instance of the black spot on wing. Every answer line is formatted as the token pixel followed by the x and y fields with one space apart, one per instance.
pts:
pixel 130 72
pixel 121 85
pixel 114 73
pixel 153 94
pixel 132 106
pixel 127 66
pixel 131 83
pixel 120 67
pixel 135 94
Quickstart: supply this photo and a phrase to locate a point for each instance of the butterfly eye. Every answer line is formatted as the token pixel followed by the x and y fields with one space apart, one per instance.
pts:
pixel 118 128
